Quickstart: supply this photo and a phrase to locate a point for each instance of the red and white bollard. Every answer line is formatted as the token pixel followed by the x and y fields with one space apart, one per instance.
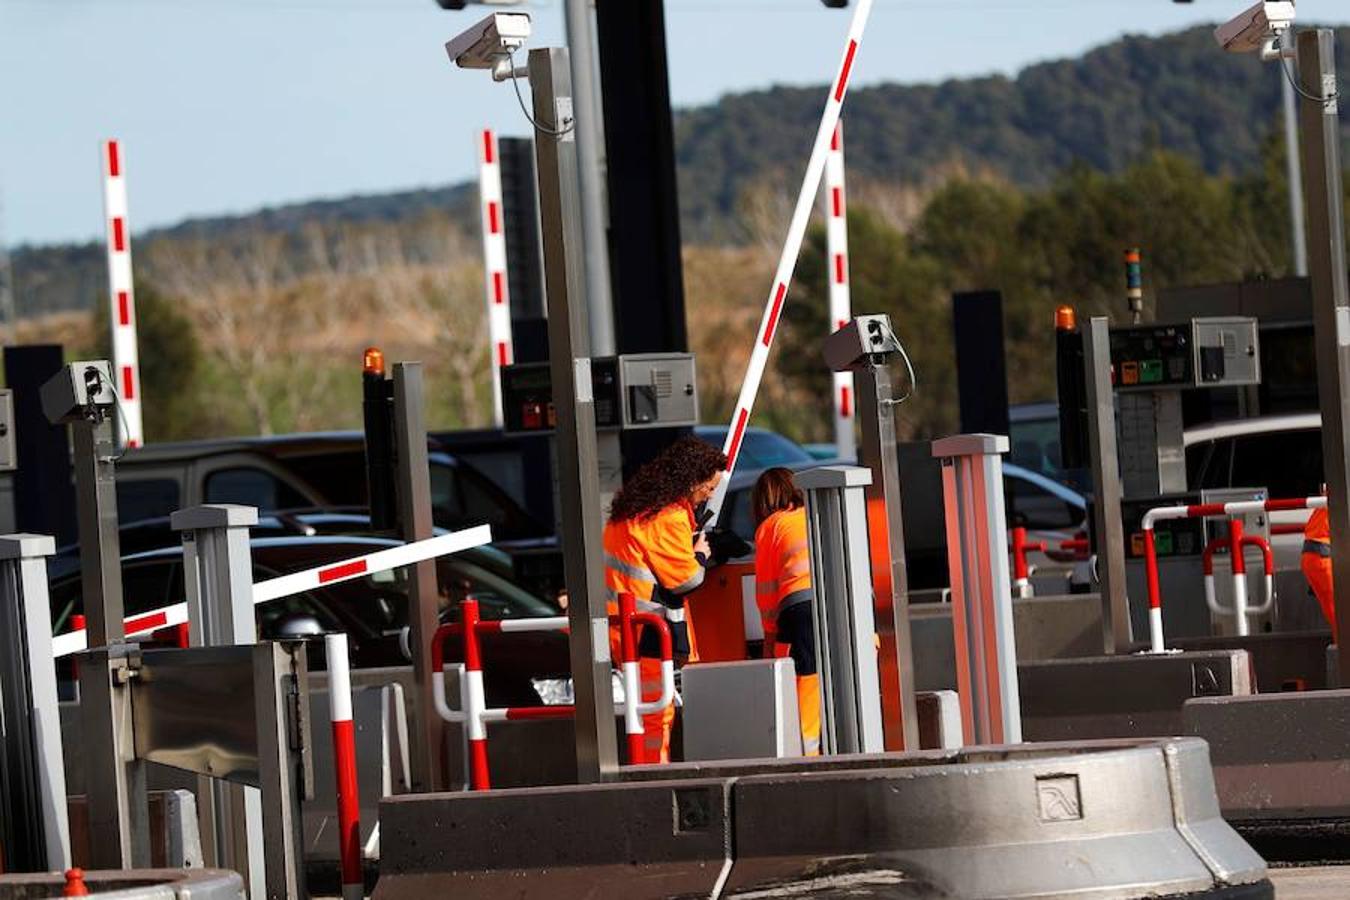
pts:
pixel 474 699
pixel 1021 571
pixel 1237 543
pixel 632 680
pixel 344 763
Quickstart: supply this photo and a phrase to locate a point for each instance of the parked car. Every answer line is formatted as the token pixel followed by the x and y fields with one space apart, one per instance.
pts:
pixel 372 611
pixel 760 448
pixel 318 471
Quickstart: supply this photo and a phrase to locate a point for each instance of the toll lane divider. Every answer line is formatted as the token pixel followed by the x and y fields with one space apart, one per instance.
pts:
pixel 298 582
pixel 787 262
pixel 1157 643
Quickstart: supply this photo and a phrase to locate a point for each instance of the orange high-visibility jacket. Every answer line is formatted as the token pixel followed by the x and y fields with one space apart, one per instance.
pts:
pixel 648 552
pixel 1316 564
pixel 782 567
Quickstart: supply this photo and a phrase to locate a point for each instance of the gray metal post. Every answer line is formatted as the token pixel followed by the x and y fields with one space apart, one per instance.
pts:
pixel 841 572
pixel 115 781
pixel 977 558
pixel 414 503
pixel 570 369
pixel 1106 491
pixel 1292 153
pixel 1324 197
pixel 890 581
pixel 590 141
pixel 280 675
pixel 218 577
pixel 38 833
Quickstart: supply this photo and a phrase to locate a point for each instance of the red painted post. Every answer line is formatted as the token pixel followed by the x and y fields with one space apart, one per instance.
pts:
pixel 344 763
pixel 474 698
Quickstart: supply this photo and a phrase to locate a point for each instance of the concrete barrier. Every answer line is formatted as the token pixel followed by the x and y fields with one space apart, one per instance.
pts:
pixel 1064 627
pixel 1281 661
pixel 1095 821
pixel 1124 696
pixel 131 884
pixel 1277 756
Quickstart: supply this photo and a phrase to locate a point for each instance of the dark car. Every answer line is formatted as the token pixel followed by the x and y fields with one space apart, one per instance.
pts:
pixel 316 471
pixel 372 611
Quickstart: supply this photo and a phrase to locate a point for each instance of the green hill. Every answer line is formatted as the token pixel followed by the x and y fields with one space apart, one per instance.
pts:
pixel 1103 109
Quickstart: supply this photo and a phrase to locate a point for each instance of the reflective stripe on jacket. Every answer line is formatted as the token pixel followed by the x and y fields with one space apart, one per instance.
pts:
pixel 652 557
pixel 782 564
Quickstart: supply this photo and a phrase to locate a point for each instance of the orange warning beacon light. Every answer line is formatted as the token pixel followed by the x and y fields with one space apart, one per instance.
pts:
pixel 1065 318
pixel 372 361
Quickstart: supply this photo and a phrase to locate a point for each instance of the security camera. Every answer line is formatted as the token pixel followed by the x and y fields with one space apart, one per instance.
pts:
pixel 488 44
pixel 1257 28
pixel 79 390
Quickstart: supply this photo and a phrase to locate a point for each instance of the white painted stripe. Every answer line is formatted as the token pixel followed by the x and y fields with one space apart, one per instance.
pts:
pixel 543 623
pixel 632 699
pixel 339 677
pixel 475 704
pixel 1155 630
pixel 792 246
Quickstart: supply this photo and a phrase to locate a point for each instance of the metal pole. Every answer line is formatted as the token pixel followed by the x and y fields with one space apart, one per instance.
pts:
pixel 1293 164
pixel 590 141
pixel 414 501
pixel 1107 526
pixel 218 582
pixel 36 833
pixel 114 780
pixel 890 580
pixel 982 614
pixel 570 369
pixel 1323 195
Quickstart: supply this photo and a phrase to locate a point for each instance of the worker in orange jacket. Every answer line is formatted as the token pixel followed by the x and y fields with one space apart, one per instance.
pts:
pixel 654 551
pixel 783 590
pixel 1316 563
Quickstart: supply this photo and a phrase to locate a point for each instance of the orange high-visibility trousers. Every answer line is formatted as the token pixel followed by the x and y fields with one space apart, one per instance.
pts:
pixel 1317 569
pixel 655 726
pixel 808 711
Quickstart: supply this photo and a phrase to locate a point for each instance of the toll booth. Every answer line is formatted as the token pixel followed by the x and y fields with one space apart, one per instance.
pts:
pixel 1150 370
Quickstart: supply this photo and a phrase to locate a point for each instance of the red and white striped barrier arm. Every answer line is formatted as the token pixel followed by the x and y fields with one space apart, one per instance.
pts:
pixel 1237 543
pixel 121 293
pixel 298 582
pixel 841 307
pixel 344 764
pixel 494 262
pixel 787 262
pixel 1157 643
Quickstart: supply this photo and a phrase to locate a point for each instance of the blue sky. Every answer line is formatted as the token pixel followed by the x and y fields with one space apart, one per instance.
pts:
pixel 229 105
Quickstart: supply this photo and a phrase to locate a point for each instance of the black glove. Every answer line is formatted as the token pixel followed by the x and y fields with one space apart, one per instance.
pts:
pixel 726 544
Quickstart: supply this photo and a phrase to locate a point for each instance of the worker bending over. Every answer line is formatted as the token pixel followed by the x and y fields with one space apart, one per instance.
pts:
pixel 1316 564
pixel 653 551
pixel 783 590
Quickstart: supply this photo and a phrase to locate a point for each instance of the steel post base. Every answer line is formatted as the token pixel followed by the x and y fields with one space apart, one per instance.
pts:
pixel 1092 821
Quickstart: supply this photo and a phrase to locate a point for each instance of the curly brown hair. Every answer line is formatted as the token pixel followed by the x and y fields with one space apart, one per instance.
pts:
pixel 669 478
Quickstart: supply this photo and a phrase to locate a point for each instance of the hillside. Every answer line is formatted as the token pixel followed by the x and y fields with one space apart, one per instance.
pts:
pixel 1104 109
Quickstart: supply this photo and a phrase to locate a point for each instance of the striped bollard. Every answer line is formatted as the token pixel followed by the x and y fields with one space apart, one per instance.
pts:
pixel 344 763
pixel 474 700
pixel 632 681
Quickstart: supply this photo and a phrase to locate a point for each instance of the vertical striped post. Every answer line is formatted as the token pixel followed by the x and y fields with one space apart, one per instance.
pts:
pixel 792 245
pixel 121 296
pixel 841 307
pixel 344 763
pixel 632 681
pixel 494 263
pixel 474 700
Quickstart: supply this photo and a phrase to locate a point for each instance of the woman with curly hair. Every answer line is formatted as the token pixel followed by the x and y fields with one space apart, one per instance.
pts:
pixel 654 551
